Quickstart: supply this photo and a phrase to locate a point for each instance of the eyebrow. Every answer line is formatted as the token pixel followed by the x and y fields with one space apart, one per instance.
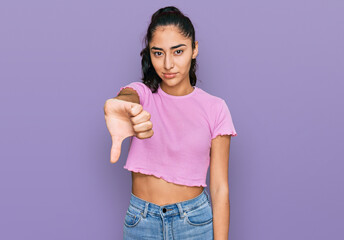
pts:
pixel 177 46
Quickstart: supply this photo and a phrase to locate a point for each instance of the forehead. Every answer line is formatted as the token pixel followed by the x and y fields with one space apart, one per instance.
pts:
pixel 166 36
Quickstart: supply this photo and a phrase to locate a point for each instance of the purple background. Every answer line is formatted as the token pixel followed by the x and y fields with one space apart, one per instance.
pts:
pixel 278 64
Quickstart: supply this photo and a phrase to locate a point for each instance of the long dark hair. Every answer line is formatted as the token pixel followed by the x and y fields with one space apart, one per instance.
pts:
pixel 166 16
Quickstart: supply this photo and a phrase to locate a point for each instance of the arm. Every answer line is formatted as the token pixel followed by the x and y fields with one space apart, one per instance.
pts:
pixel 128 94
pixel 122 120
pixel 219 189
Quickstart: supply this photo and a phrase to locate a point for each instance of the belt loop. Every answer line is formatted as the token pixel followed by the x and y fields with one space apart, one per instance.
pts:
pixel 181 211
pixel 145 210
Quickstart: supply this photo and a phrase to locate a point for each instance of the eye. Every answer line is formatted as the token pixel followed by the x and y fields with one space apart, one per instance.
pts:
pixel 180 51
pixel 156 54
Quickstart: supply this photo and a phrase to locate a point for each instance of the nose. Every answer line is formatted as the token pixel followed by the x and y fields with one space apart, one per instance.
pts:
pixel 169 62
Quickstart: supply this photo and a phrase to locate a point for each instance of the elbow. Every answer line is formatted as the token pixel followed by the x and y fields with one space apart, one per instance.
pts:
pixel 220 189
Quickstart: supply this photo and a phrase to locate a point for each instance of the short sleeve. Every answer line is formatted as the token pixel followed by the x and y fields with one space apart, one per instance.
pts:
pixel 142 90
pixel 223 124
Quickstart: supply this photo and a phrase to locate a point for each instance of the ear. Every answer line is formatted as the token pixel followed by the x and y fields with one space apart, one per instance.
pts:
pixel 195 51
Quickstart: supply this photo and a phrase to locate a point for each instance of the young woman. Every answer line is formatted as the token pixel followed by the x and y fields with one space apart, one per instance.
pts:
pixel 192 130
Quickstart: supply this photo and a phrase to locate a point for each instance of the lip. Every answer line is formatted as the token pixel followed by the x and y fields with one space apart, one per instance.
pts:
pixel 170 75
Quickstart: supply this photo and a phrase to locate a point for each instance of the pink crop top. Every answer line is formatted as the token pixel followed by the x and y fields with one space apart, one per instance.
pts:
pixel 179 150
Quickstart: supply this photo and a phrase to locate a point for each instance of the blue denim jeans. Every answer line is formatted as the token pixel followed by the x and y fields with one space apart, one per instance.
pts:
pixel 187 220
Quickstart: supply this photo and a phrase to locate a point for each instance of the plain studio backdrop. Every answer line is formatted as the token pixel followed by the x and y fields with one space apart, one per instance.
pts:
pixel 278 65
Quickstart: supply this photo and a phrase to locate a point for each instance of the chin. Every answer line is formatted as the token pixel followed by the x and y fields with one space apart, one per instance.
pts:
pixel 170 82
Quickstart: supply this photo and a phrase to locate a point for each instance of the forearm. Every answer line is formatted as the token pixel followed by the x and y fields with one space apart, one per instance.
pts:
pixel 221 212
pixel 129 97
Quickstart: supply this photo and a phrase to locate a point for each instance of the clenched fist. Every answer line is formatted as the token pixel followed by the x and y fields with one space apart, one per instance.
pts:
pixel 125 119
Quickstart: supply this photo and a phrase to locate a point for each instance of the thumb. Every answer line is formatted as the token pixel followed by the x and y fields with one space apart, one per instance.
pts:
pixel 116 149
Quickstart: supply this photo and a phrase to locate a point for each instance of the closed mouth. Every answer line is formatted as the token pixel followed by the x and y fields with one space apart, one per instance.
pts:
pixel 170 74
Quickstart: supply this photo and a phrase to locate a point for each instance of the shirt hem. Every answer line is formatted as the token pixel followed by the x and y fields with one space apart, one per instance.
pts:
pixel 222 134
pixel 166 178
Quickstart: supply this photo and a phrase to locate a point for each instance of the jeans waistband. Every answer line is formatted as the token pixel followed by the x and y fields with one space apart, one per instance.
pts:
pixel 169 209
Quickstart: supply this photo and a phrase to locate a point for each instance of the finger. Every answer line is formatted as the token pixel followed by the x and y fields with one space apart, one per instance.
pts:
pixel 143 116
pixel 135 109
pixel 146 134
pixel 143 127
pixel 115 149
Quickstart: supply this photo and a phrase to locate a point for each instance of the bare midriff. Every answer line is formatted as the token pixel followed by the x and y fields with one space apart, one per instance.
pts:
pixel 160 192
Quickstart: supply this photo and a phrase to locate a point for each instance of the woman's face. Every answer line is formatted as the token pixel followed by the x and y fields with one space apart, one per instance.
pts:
pixel 171 52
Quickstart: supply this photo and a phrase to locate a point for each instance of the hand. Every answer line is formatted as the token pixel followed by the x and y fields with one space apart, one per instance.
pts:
pixel 124 119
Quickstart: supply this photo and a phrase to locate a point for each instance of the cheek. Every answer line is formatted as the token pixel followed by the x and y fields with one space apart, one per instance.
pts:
pixel 156 63
pixel 184 64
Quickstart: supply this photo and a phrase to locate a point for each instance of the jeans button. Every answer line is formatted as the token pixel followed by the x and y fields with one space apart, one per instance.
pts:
pixel 164 210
